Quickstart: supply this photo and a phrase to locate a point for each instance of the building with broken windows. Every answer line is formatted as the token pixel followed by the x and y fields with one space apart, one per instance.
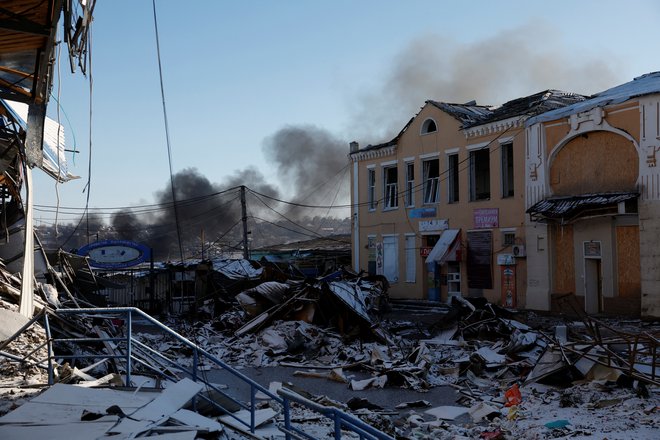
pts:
pixel 440 209
pixel 593 199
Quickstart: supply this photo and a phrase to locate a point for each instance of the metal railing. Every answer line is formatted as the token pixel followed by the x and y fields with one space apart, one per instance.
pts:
pixel 132 346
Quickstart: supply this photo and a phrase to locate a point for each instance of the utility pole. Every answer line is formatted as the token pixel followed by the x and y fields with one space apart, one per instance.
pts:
pixel 246 252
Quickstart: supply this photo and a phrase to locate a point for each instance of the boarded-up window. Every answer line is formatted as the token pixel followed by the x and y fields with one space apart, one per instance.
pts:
pixel 479 261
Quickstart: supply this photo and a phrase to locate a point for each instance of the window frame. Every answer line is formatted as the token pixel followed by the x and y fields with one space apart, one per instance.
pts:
pixel 475 166
pixel 453 186
pixel 432 189
pixel 410 185
pixel 390 189
pixel 507 170
pixel 371 189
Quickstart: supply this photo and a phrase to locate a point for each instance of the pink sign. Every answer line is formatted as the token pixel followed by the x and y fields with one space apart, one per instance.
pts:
pixel 486 218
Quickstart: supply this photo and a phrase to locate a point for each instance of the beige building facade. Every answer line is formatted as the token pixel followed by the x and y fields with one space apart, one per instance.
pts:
pixel 440 209
pixel 593 199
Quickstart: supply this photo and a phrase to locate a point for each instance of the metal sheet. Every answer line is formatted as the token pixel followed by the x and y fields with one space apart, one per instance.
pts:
pixel 441 248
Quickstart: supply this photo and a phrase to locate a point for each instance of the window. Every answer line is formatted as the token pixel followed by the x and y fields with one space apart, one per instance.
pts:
pixel 390 187
pixel 507 169
pixel 410 184
pixel 411 259
pixel 371 189
pixel 431 170
pixel 508 238
pixel 480 174
pixel 429 126
pixel 452 178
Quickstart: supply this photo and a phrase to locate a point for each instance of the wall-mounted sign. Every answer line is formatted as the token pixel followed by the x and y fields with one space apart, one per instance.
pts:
pixel 422 213
pixel 433 225
pixel 592 249
pixel 115 254
pixel 509 295
pixel 486 218
pixel 425 251
pixel 506 260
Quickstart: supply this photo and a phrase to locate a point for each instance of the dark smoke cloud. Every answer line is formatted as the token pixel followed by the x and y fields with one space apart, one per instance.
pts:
pixel 312 165
pixel 514 63
pixel 201 210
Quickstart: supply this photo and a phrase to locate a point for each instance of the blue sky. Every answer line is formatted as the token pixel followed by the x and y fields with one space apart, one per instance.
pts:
pixel 238 72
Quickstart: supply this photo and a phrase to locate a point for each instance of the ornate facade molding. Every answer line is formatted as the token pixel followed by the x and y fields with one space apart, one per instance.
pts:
pixel 373 154
pixel 494 127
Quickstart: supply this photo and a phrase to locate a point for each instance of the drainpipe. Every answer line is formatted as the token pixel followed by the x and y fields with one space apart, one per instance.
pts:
pixel 354 147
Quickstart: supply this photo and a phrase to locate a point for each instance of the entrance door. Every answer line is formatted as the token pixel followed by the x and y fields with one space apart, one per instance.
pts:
pixel 593 285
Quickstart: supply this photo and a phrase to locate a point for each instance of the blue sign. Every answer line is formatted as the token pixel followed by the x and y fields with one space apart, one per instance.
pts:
pixel 115 254
pixel 422 213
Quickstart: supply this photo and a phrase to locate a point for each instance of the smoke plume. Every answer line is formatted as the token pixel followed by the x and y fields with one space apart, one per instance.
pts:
pixel 511 64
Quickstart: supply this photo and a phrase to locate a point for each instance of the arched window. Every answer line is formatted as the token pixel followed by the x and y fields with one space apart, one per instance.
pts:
pixel 429 126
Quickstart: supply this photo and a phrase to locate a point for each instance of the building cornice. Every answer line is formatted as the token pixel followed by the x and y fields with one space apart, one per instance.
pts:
pixel 495 127
pixel 373 154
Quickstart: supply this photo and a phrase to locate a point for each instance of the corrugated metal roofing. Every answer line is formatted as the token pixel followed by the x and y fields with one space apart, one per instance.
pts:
pixel 465 113
pixel 531 105
pixel 568 207
pixel 642 85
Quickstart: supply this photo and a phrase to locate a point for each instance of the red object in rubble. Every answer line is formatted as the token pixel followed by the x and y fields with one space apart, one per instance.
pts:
pixel 513 396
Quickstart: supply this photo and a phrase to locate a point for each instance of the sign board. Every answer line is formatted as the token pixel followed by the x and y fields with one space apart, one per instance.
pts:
pixel 486 218
pixel 115 254
pixel 506 260
pixel 425 251
pixel 433 225
pixel 509 295
pixel 422 213
pixel 592 249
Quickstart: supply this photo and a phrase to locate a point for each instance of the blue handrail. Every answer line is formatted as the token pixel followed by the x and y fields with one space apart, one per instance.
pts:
pixel 284 397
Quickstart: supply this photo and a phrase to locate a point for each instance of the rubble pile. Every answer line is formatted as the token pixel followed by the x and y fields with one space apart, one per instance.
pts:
pixel 511 374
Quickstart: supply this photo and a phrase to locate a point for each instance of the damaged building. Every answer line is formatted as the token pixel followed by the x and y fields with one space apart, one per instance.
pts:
pixel 440 210
pixel 593 202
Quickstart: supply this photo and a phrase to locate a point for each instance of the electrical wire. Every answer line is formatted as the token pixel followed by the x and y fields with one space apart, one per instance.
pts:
pixel 169 147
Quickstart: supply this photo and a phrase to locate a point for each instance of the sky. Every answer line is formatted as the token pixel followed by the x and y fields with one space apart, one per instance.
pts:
pixel 270 93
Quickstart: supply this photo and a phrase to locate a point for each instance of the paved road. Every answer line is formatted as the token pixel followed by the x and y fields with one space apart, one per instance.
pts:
pixel 387 397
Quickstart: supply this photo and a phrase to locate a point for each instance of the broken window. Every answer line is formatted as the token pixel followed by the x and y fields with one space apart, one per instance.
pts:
pixel 371 189
pixel 410 184
pixel 431 180
pixel 480 174
pixel 507 169
pixel 429 126
pixel 390 187
pixel 452 178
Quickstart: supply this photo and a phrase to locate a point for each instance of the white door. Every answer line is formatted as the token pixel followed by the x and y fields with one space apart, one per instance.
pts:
pixel 390 259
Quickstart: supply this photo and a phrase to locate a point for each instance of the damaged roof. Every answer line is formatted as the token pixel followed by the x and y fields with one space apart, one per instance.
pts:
pixel 467 113
pixel 646 84
pixel 464 113
pixel 531 105
pixel 331 243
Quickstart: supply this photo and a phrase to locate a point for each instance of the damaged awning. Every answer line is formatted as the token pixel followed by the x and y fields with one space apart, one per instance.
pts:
pixel 566 209
pixel 442 248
